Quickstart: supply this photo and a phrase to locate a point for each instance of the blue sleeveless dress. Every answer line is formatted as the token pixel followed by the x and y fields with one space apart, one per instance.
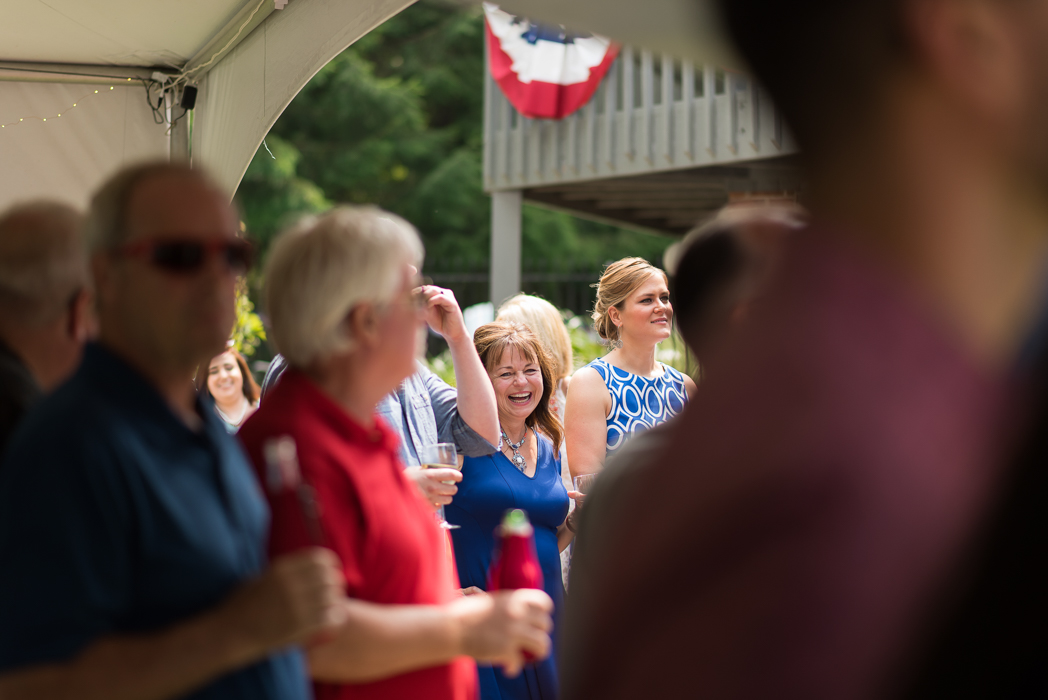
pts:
pixel 490 486
pixel 639 403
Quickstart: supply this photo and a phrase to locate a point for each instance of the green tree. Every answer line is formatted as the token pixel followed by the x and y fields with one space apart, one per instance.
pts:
pixel 395 120
pixel 248 332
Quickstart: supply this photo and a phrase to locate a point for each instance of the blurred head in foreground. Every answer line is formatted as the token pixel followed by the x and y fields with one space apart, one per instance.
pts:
pixel 792 553
pixel 45 315
pixel 722 266
pixel 974 70
pixel 166 256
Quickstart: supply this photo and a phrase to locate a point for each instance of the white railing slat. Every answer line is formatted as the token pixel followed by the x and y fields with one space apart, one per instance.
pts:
pixel 642 115
pixel 687 93
pixel 647 98
pixel 628 96
pixel 611 84
pixel 667 107
pixel 709 94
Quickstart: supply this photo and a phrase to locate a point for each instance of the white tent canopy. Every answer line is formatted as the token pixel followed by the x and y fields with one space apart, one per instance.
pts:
pixel 247 58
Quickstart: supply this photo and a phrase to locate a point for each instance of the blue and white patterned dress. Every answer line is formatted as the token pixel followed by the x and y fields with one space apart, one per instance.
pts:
pixel 639 403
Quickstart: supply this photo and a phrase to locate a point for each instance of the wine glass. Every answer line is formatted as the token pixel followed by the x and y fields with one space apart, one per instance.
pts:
pixel 442 455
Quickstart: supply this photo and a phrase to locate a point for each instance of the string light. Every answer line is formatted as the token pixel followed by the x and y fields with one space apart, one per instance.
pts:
pixel 75 104
pixel 59 114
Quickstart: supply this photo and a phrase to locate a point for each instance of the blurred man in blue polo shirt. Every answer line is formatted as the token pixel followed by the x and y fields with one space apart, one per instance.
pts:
pixel 131 527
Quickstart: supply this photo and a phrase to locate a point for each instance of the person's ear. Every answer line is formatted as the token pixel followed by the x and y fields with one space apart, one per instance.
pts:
pixel 82 325
pixel 615 316
pixel 103 274
pixel 969 51
pixel 362 325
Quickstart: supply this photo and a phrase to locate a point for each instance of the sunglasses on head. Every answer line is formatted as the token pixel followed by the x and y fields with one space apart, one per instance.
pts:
pixel 187 256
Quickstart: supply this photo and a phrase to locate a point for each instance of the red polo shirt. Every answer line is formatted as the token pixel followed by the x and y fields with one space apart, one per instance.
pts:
pixel 375 520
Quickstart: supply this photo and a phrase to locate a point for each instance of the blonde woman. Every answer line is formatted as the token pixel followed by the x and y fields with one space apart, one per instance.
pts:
pixel 627 390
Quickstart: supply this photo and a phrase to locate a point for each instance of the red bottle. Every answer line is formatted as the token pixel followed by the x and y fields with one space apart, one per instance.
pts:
pixel 516 563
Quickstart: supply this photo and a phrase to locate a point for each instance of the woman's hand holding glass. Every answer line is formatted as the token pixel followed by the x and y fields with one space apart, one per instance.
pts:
pixel 441 460
pixel 438 485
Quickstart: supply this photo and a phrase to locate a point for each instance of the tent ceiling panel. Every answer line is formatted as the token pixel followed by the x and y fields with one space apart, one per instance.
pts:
pixel 68 157
pixel 113 32
pixel 247 90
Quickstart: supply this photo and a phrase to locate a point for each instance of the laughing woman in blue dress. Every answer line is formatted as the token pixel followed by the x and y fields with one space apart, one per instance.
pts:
pixel 524 473
pixel 628 390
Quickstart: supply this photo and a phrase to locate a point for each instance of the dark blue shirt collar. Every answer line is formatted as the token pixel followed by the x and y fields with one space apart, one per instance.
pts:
pixel 113 376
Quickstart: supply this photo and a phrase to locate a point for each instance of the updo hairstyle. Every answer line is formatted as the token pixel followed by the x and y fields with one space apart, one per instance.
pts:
pixel 620 279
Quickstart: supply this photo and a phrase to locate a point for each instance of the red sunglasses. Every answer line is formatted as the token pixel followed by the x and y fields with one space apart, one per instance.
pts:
pixel 187 256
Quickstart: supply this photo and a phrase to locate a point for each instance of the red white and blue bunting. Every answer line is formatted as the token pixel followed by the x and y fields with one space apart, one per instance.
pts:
pixel 546 72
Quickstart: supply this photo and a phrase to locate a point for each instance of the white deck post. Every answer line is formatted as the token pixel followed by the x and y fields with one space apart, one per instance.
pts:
pixel 505 245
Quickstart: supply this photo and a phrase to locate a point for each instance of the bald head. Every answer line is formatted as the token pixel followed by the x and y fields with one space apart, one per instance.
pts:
pixel 164 320
pixel 127 199
pixel 43 263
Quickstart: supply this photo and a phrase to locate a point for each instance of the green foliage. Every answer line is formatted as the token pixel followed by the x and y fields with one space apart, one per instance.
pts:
pixel 586 345
pixel 248 332
pixel 273 194
pixel 553 241
pixel 395 120
pixel 442 366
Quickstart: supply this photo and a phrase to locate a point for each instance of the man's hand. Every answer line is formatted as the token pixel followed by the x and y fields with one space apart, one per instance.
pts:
pixel 431 483
pixel 443 313
pixel 498 628
pixel 300 596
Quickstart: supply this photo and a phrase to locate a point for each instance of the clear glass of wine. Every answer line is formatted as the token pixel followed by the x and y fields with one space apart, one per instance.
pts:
pixel 441 455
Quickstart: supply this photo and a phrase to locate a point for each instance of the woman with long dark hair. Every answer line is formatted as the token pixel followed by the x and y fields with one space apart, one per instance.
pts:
pixel 228 381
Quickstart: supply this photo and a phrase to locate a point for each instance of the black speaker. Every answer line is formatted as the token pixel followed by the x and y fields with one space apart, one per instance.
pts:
pixel 189 94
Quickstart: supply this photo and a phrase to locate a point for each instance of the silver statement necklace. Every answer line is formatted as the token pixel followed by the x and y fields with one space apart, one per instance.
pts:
pixel 518 459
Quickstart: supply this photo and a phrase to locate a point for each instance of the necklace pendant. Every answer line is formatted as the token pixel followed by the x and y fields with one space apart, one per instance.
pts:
pixel 519 462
